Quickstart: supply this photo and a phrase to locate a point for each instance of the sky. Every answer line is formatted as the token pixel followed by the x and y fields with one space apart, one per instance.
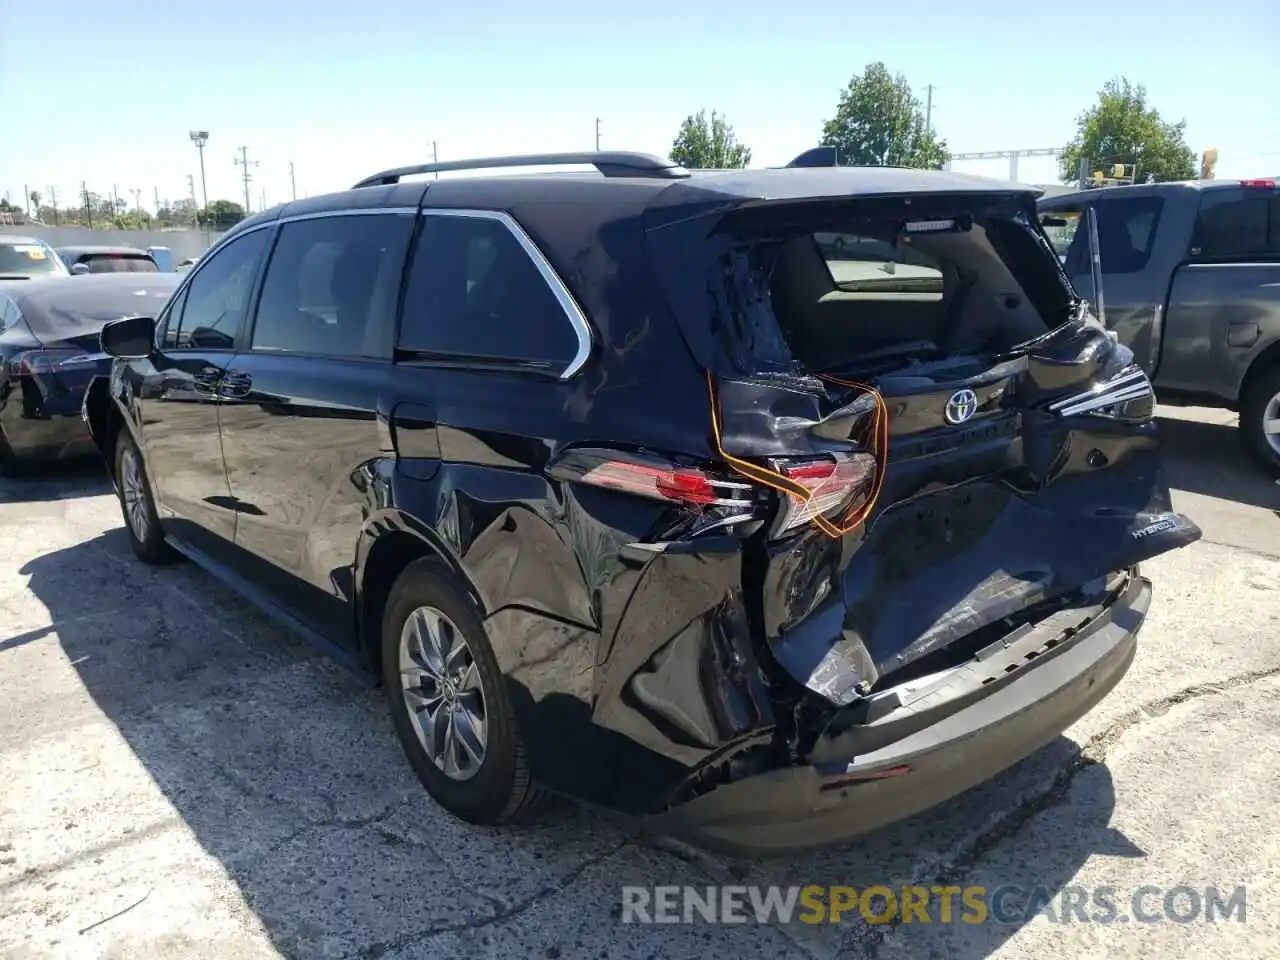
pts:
pixel 107 93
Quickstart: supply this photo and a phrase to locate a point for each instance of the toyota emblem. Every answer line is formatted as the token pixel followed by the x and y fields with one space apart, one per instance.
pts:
pixel 962 405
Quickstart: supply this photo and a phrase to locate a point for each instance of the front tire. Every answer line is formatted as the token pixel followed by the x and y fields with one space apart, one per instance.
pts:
pixel 1260 420
pixel 449 701
pixel 141 522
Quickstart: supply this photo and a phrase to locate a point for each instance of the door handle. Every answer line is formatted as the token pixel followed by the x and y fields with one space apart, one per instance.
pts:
pixel 235 384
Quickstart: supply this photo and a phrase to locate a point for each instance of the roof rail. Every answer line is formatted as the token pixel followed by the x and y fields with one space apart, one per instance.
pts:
pixel 610 163
pixel 817 157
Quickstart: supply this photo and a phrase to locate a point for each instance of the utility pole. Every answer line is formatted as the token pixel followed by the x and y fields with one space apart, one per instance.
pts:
pixel 262 199
pixel 597 134
pixel 157 193
pixel 88 210
pixel 137 202
pixel 115 200
pixel 293 183
pixel 928 108
pixel 26 199
pixel 245 163
pixel 200 138
pixel 53 202
pixel 435 158
pixel 195 204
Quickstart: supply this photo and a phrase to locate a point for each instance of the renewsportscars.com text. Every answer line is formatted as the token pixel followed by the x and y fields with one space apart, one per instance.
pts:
pixel 936 904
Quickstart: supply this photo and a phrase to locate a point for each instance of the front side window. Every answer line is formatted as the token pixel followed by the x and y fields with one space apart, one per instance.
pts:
pixel 331 286
pixel 212 309
pixel 474 293
pixel 10 315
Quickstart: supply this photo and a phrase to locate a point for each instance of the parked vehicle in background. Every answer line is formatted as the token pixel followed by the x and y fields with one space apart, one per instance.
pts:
pixel 163 257
pixel 83 260
pixel 22 258
pixel 186 264
pixel 1191 282
pixel 639 486
pixel 49 354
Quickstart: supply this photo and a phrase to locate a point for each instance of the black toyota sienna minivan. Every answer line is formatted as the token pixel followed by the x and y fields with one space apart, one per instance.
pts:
pixel 772 505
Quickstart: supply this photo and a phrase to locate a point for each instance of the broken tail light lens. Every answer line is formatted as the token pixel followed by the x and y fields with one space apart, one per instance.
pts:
pixel 834 484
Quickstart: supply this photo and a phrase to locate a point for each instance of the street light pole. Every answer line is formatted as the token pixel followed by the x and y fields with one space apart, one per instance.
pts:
pixel 200 138
pixel 293 183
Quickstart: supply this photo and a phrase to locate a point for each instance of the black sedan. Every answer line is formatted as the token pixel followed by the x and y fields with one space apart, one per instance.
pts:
pixel 49 354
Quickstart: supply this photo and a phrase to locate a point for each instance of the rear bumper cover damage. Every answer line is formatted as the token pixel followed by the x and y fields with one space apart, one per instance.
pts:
pixel 943 738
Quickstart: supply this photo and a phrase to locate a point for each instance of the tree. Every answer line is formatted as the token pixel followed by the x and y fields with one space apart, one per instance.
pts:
pixel 35 199
pixel 1122 128
pixel 709 144
pixel 879 123
pixel 221 215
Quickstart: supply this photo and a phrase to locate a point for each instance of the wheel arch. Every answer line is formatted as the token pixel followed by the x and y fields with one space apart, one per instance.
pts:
pixel 1266 360
pixel 388 543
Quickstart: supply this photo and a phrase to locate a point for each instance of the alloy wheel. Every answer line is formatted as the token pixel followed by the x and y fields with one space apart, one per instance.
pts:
pixel 134 494
pixel 1271 423
pixel 440 683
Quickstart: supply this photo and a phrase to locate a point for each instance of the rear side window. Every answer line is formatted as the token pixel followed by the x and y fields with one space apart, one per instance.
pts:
pixel 332 284
pixel 1126 232
pixel 475 293
pixel 213 307
pixel 1238 225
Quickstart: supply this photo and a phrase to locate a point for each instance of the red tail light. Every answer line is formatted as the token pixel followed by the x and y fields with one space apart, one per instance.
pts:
pixel 685 485
pixel 1259 184
pixel 833 486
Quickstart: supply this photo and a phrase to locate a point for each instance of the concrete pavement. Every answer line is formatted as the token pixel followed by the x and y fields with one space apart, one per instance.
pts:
pixel 180 778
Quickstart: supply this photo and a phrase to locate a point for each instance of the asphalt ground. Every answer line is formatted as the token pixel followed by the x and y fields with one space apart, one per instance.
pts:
pixel 181 778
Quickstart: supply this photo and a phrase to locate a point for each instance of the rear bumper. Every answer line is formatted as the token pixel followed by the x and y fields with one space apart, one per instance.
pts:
pixel 801 807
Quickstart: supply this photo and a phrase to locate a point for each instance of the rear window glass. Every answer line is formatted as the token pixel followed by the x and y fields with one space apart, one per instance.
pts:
pixel 26 260
pixel 878 269
pixel 118 263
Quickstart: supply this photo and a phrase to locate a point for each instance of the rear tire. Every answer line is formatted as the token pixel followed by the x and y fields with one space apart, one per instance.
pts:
pixel 449 701
pixel 141 522
pixel 1259 406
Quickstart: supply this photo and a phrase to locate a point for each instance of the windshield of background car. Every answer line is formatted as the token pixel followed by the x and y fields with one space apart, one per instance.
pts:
pixel 27 260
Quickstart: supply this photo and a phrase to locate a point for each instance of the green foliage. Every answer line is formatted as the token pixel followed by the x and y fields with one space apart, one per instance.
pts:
pixel 221 215
pixel 1122 128
pixel 709 144
pixel 879 123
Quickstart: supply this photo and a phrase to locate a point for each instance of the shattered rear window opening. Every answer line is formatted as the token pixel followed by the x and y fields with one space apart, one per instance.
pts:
pixel 818 294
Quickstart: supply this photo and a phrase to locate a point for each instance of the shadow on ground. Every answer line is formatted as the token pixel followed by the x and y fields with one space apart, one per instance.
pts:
pixel 287 773
pixel 1209 459
pixel 63 480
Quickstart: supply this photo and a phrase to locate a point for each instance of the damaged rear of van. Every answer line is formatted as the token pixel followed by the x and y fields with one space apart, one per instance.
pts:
pixel 936 473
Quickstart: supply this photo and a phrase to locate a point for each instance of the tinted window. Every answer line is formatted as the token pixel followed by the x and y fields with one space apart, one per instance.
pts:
pixel 1238 225
pixel 1126 232
pixel 119 263
pixel 332 284
pixel 212 311
pixel 474 292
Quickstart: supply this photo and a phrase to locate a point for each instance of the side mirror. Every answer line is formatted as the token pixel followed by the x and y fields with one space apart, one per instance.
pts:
pixel 79 269
pixel 132 338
